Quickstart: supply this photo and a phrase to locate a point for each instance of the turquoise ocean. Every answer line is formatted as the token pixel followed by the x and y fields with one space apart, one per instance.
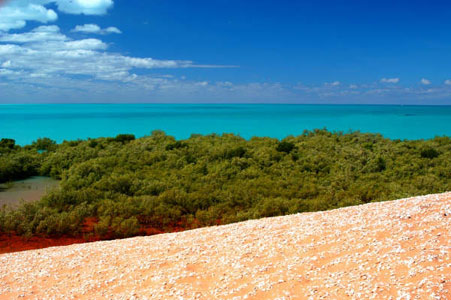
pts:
pixel 26 123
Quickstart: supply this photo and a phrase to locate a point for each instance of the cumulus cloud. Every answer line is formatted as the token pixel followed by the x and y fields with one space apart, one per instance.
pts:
pixel 39 34
pixel 390 80
pixel 45 51
pixel 45 63
pixel 15 14
pixel 425 81
pixel 95 29
pixel 87 7
pixel 448 82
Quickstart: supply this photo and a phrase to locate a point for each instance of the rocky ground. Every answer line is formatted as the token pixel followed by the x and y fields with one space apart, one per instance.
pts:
pixel 391 250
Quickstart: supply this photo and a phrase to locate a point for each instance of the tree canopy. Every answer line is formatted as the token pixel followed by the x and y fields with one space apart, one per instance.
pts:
pixel 126 183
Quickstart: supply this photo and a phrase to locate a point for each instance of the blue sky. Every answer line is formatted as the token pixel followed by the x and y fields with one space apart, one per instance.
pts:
pixel 396 52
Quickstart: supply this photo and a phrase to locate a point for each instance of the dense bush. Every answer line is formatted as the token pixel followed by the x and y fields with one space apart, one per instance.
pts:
pixel 285 147
pixel 429 153
pixel 123 138
pixel 18 165
pixel 157 181
pixel 6 145
pixel 44 144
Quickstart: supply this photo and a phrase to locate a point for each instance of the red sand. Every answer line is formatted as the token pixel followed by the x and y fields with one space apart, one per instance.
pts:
pixel 13 243
pixel 390 250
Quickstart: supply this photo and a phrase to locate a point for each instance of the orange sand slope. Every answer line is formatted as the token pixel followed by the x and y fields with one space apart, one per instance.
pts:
pixel 392 250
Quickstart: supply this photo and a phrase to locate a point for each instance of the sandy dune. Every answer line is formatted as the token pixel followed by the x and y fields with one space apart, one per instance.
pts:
pixel 391 250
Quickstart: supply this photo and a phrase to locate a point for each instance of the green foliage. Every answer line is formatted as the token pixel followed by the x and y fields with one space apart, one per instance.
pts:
pixel 125 227
pixel 286 147
pixel 271 207
pixel 6 145
pixel 234 152
pixel 176 145
pixel 124 138
pixel 44 144
pixel 429 153
pixel 18 165
pixel 205 180
pixel 103 226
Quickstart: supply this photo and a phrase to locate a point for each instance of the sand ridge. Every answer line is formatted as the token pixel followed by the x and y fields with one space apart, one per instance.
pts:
pixel 389 250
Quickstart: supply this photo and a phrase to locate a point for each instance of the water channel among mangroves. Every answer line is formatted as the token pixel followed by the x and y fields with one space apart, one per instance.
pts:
pixel 28 190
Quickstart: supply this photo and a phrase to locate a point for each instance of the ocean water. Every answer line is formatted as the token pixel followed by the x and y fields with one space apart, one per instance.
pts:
pixel 26 123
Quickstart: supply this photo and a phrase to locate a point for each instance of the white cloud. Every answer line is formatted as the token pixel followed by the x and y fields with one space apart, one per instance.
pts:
pixel 86 44
pixel 87 7
pixel 45 51
pixel 15 14
pixel 425 81
pixel 95 29
pixel 7 72
pixel 335 83
pixel 142 89
pixel 6 64
pixel 390 80
pixel 448 82
pixel 39 34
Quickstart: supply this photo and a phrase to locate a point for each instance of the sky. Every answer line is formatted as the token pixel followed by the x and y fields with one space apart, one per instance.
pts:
pixel 225 51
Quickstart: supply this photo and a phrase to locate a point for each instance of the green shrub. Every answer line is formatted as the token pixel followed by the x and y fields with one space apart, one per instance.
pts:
pixel 44 144
pixel 176 145
pixel 125 227
pixel 429 153
pixel 205 180
pixel 103 226
pixel 286 147
pixel 124 138
pixel 7 144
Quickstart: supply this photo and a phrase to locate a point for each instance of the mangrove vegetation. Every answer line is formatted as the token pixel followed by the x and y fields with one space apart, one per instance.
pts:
pixel 126 184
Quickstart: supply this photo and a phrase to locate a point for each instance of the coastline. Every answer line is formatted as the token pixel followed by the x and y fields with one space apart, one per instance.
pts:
pixel 73 121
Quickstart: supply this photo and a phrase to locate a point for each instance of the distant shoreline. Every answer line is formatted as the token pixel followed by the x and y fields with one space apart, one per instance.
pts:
pixel 26 123
pixel 233 134
pixel 222 103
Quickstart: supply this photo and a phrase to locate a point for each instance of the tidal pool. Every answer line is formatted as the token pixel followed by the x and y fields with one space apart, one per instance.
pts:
pixel 28 190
